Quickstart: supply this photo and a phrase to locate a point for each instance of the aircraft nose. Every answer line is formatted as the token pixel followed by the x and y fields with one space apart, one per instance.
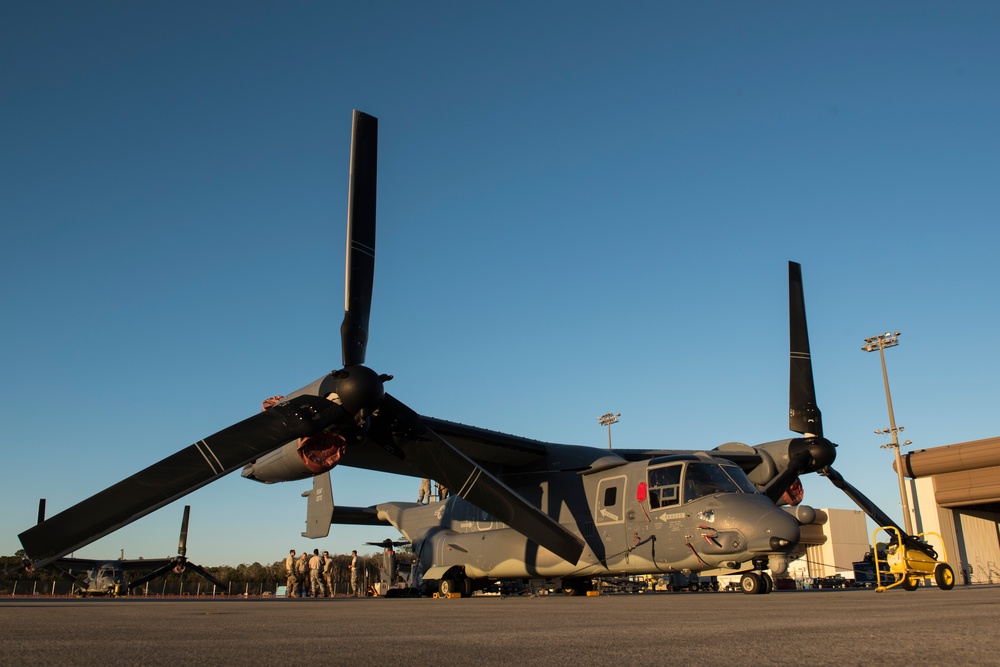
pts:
pixel 775 531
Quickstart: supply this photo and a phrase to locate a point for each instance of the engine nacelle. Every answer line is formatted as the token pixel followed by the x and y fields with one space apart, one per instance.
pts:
pixel 812 454
pixel 298 459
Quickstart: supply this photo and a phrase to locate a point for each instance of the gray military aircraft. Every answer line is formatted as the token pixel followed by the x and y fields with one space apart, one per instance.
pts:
pixel 94 577
pixel 520 507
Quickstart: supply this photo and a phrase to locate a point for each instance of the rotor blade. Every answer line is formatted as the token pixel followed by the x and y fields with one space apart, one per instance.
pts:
pixel 803 414
pixel 360 239
pixel 436 458
pixel 158 572
pixel 182 543
pixel 200 571
pixel 176 476
pixel 862 501
pixel 69 576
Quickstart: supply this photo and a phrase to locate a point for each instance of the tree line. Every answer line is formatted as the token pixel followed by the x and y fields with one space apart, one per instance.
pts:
pixel 245 579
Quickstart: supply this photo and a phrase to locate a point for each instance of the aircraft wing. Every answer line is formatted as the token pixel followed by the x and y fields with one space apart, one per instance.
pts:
pixel 87 564
pixel 490 449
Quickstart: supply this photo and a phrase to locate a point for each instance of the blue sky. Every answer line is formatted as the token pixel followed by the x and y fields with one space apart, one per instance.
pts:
pixel 582 209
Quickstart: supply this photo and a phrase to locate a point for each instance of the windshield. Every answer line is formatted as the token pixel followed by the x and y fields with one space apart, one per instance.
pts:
pixel 699 480
pixel 740 478
pixel 705 479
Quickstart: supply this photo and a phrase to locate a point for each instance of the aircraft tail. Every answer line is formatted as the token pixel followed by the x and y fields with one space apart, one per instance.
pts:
pixel 319 507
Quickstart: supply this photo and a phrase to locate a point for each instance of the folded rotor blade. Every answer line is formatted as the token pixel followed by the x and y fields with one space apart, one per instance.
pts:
pixel 182 542
pixel 201 572
pixel 176 476
pixel 436 458
pixel 860 499
pixel 158 572
pixel 360 239
pixel 803 413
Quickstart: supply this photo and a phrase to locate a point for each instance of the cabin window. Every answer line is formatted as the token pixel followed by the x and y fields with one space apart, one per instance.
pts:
pixel 610 496
pixel 664 486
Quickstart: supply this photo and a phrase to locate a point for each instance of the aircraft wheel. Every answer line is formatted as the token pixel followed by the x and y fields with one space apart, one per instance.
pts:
pixel 750 583
pixel 577 587
pixel 910 583
pixel 767 583
pixel 944 576
pixel 447 586
pixel 465 586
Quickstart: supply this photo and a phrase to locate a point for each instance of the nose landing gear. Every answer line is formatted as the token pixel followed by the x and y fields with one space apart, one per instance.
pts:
pixel 754 583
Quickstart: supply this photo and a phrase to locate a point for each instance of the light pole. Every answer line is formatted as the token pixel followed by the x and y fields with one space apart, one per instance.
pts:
pixel 880 342
pixel 607 420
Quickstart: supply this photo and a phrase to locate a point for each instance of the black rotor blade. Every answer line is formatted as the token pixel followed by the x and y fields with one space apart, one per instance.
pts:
pixel 876 514
pixel 436 458
pixel 803 413
pixel 200 571
pixel 176 476
pixel 182 542
pixel 360 238
pixel 158 572
pixel 860 499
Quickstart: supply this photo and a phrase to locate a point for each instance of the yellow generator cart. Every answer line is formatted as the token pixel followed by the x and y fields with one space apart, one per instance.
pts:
pixel 911 559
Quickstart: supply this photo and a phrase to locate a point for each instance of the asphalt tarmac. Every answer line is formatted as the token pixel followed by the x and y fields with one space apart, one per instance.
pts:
pixel 839 627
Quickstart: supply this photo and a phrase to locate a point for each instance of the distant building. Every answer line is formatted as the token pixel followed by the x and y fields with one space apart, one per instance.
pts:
pixel 841 539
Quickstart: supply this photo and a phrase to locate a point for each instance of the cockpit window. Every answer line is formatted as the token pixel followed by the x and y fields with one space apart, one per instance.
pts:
pixel 705 479
pixel 740 478
pixel 699 480
pixel 664 486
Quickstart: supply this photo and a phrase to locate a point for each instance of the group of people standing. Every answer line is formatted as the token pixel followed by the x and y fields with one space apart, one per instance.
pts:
pixel 313 575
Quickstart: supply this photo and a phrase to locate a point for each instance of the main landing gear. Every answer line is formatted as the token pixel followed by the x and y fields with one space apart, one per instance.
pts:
pixel 455 584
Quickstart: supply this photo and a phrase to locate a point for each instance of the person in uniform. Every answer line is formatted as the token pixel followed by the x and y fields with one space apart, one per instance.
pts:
pixel 328 573
pixel 316 574
pixel 354 574
pixel 291 583
pixel 302 573
pixel 424 496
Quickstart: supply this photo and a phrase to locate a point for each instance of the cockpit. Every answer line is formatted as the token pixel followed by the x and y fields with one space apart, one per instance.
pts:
pixel 681 482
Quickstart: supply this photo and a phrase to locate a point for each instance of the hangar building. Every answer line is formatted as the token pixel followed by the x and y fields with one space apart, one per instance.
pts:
pixel 954 490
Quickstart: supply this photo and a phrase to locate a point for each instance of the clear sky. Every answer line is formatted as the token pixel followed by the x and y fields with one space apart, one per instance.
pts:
pixel 583 208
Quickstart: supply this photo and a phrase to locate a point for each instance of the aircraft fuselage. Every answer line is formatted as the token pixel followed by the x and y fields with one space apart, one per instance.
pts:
pixel 672 514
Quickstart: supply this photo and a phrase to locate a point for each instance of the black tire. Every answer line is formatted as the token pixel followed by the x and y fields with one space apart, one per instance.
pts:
pixel 944 576
pixel 750 583
pixel 767 583
pixel 578 588
pixel 447 586
pixel 910 583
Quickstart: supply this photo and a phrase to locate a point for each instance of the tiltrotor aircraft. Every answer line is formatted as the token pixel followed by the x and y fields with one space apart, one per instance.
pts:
pixel 520 508
pixel 95 577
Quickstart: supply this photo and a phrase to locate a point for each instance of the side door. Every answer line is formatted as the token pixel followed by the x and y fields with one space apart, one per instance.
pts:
pixel 609 513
